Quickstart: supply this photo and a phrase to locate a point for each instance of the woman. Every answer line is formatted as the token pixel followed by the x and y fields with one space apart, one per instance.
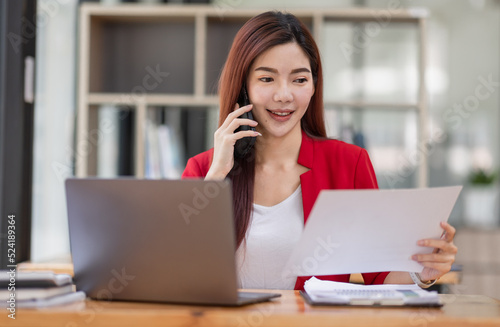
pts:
pixel 275 59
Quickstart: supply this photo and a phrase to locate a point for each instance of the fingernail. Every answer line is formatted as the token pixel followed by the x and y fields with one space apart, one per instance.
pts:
pixel 421 242
pixel 257 133
pixel 414 257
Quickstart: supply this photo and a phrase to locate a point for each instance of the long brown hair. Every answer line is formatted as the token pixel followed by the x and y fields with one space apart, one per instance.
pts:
pixel 257 35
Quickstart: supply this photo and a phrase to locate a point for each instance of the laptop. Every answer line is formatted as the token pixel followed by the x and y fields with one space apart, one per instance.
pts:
pixel 155 240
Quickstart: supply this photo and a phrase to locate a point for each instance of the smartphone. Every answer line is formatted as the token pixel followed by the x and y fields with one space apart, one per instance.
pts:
pixel 245 144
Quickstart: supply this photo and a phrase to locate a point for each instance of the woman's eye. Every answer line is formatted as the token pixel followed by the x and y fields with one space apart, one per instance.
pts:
pixel 266 79
pixel 301 80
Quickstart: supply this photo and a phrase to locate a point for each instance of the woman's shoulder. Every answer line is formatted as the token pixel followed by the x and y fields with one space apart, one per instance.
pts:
pixel 334 147
pixel 205 156
pixel 345 165
pixel 199 165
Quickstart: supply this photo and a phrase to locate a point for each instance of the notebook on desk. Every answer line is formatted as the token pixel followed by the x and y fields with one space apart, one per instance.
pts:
pixel 155 240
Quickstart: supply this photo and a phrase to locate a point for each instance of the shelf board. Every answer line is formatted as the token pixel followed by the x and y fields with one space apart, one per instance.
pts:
pixel 373 105
pixel 151 99
pixel 190 100
pixel 135 12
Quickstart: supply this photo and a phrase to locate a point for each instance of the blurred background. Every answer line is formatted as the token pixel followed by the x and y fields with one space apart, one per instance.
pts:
pixel 420 94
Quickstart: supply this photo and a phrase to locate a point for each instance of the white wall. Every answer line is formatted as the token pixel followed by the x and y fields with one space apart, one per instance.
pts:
pixel 54 123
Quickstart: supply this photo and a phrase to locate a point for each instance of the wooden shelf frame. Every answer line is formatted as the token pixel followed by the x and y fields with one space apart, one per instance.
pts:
pixel 91 15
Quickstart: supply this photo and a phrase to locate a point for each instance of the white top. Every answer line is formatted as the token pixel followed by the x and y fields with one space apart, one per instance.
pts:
pixel 271 236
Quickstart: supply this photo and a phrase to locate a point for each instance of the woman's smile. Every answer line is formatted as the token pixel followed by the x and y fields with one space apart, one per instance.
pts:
pixel 280 115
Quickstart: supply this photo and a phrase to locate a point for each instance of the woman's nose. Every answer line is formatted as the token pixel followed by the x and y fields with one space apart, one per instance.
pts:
pixel 283 93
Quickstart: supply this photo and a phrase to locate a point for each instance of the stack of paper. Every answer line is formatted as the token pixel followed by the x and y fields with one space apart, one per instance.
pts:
pixel 319 292
pixel 37 289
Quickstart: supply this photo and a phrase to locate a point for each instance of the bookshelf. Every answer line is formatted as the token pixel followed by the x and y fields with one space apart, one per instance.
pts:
pixel 144 57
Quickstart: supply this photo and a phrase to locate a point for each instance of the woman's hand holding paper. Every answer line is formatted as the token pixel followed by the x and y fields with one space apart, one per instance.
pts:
pixel 440 260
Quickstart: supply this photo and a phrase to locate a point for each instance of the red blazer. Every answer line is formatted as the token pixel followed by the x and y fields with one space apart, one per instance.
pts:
pixel 333 164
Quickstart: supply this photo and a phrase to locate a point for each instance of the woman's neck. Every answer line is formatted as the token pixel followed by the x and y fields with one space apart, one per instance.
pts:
pixel 279 151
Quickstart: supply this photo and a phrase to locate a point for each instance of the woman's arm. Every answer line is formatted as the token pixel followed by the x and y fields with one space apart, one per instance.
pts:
pixel 398 277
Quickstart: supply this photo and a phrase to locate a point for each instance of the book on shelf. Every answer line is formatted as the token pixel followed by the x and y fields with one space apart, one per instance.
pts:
pixel 163 152
pixel 153 169
pixel 169 147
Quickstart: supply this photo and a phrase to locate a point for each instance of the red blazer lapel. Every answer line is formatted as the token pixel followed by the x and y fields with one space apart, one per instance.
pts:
pixel 306 159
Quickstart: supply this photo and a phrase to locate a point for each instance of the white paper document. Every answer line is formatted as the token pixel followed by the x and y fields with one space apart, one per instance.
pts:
pixel 328 292
pixel 356 231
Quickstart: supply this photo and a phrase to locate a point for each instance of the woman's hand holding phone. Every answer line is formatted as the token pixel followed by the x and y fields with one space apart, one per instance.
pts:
pixel 224 140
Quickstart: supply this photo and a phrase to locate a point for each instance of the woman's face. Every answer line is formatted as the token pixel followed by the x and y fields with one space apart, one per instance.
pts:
pixel 280 86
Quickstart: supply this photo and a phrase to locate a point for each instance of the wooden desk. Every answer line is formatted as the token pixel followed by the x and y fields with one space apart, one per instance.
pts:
pixel 289 310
